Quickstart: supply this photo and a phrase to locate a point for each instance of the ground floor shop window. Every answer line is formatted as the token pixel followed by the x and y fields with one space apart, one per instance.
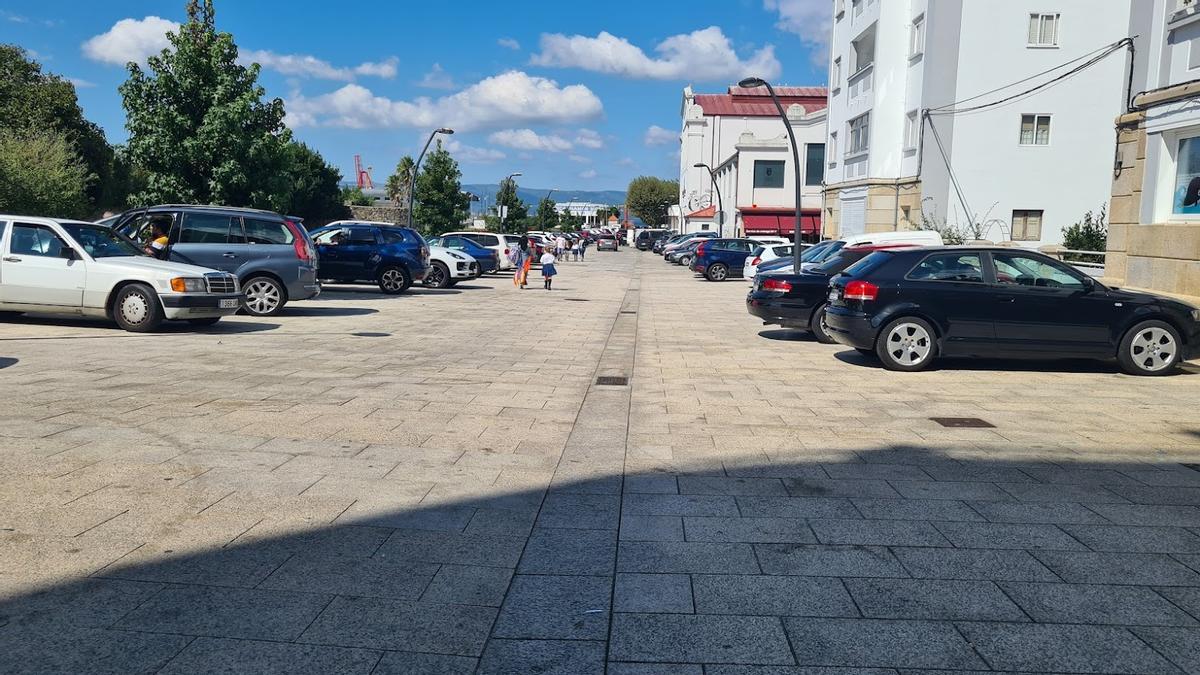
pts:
pixel 1187 177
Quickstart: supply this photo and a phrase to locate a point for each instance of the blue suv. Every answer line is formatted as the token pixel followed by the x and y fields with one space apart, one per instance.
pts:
pixel 380 253
pixel 718 259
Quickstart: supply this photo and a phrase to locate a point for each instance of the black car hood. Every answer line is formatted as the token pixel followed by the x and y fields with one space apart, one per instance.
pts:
pixel 1144 298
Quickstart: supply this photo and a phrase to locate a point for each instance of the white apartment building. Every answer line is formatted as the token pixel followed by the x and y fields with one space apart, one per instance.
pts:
pixel 740 136
pixel 589 211
pixel 1154 220
pixel 1020 170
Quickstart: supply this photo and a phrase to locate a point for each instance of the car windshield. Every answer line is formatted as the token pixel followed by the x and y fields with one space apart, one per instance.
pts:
pixel 101 242
pixel 819 253
pixel 834 264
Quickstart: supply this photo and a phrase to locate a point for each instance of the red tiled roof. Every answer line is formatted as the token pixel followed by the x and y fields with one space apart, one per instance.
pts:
pixel 757 102
pixel 706 212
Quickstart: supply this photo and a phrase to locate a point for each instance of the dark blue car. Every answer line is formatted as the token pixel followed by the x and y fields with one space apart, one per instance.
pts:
pixel 718 259
pixel 488 259
pixel 354 252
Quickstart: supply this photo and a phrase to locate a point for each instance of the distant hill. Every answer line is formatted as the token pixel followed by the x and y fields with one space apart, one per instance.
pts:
pixel 532 196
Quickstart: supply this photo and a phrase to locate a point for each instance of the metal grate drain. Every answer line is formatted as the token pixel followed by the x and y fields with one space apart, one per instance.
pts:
pixel 612 380
pixel 963 422
pixel 628 311
pixel 371 334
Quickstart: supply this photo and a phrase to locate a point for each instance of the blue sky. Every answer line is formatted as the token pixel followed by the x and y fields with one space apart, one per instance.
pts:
pixel 566 93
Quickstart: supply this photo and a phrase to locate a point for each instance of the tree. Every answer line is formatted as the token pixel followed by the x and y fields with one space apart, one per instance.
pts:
pixel 198 125
pixel 510 206
pixel 42 174
pixel 1089 234
pixel 311 186
pixel 570 222
pixel 33 100
pixel 400 182
pixel 441 205
pixel 650 198
pixel 547 217
pixel 354 196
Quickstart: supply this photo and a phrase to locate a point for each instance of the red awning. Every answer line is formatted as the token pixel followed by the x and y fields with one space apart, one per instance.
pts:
pixel 781 224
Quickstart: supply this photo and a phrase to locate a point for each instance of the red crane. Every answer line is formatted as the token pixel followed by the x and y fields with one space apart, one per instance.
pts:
pixel 362 175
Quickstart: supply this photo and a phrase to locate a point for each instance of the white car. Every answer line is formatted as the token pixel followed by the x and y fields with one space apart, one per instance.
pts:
pixel 491 240
pixel 448 267
pixel 762 254
pixel 55 266
pixel 768 241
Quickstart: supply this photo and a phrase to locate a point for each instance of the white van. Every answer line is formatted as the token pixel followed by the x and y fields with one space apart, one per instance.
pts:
pixel 910 237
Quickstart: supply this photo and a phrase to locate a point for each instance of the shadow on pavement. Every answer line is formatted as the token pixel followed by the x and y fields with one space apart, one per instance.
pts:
pixel 106 328
pixel 309 310
pixel 1007 365
pixel 787 335
pixel 889 557
pixel 6 361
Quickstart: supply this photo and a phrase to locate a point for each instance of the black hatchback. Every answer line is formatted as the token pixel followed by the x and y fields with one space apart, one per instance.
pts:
pixel 910 307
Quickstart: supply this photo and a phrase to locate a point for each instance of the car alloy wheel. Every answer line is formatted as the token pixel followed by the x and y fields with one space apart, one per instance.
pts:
pixel 438 276
pixel 907 344
pixel 264 297
pixel 717 273
pixel 393 281
pixel 1150 348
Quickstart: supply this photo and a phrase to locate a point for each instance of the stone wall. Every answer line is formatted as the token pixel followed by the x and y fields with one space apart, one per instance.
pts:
pixel 885 208
pixel 380 214
pixel 1162 257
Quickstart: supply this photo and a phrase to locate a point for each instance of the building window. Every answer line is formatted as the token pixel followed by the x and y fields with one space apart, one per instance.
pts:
pixel 841 8
pixel 1035 130
pixel 814 163
pixel 1043 30
pixel 832 154
pixel 863 51
pixel 857 6
pixel 859 132
pixel 836 78
pixel 912 130
pixel 768 173
pixel 1186 200
pixel 916 39
pixel 1027 225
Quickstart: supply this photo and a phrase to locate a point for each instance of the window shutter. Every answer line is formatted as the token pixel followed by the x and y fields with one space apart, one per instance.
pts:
pixel 1034 26
pixel 1043 131
pixel 1027 122
pixel 1033 225
pixel 1050 29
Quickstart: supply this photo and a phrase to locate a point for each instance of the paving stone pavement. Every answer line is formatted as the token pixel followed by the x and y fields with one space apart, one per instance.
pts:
pixel 434 483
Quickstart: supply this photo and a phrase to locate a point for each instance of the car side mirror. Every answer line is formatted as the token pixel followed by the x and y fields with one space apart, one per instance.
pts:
pixel 1089 285
pixel 68 253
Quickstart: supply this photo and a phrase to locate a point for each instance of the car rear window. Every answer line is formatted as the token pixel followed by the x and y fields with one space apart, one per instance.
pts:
pixel 949 267
pixel 208 228
pixel 782 250
pixel 868 264
pixel 398 235
pixel 260 231
pixel 757 252
pixel 483 239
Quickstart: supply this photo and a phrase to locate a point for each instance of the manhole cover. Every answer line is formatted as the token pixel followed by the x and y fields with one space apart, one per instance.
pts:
pixel 963 422
pixel 612 380
pixel 371 334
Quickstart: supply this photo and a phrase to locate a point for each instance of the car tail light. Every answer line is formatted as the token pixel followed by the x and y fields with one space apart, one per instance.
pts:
pixel 861 290
pixel 304 249
pixel 700 249
pixel 754 263
pixel 776 285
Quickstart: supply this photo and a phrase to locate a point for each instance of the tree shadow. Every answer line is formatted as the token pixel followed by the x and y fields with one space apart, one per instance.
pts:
pixel 970 558
pixel 969 364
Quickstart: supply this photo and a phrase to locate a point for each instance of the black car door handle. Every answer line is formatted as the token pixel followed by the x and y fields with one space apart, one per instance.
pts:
pixel 1006 298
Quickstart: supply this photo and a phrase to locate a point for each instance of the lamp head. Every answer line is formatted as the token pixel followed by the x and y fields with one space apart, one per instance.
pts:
pixel 444 130
pixel 700 165
pixel 751 82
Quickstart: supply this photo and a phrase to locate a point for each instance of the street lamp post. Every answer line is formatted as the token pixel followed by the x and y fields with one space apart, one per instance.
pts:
pixel 412 188
pixel 720 205
pixel 753 83
pixel 504 215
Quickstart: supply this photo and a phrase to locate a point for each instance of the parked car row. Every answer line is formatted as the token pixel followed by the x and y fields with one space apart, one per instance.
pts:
pixel 202 263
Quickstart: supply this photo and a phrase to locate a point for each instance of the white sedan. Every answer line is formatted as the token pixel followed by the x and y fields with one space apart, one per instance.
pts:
pixel 761 255
pixel 54 266
pixel 448 267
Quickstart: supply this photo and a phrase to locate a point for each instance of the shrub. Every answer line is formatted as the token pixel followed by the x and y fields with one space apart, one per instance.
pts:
pixel 1089 234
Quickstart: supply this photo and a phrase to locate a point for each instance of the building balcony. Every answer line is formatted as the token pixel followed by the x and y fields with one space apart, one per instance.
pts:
pixel 861 84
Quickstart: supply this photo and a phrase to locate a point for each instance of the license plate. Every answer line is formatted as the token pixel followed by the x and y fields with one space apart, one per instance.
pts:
pixel 833 295
pixel 231 303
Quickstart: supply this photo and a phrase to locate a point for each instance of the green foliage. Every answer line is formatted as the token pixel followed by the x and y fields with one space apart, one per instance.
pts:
pixel 198 125
pixel 354 196
pixel 517 211
pixel 441 205
pixel 650 198
pixel 400 182
pixel 1089 234
pixel 570 222
pixel 547 217
pixel 311 186
pixel 42 174
pixel 33 100
pixel 951 234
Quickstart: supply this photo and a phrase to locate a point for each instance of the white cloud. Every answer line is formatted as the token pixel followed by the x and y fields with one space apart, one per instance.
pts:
pixel 304 65
pixel 657 135
pixel 580 158
pixel 472 155
pixel 528 139
pixel 810 19
pixel 589 174
pixel 703 55
pixel 130 40
pixel 626 161
pixel 509 43
pixel 80 83
pixel 589 139
pixel 437 78
pixel 506 100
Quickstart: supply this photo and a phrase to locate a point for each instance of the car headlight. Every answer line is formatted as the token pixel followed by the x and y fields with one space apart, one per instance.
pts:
pixel 1196 314
pixel 457 256
pixel 188 285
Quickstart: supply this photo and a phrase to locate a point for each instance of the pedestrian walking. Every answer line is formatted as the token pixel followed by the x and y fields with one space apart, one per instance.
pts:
pixel 583 244
pixel 520 259
pixel 560 247
pixel 575 246
pixel 548 269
